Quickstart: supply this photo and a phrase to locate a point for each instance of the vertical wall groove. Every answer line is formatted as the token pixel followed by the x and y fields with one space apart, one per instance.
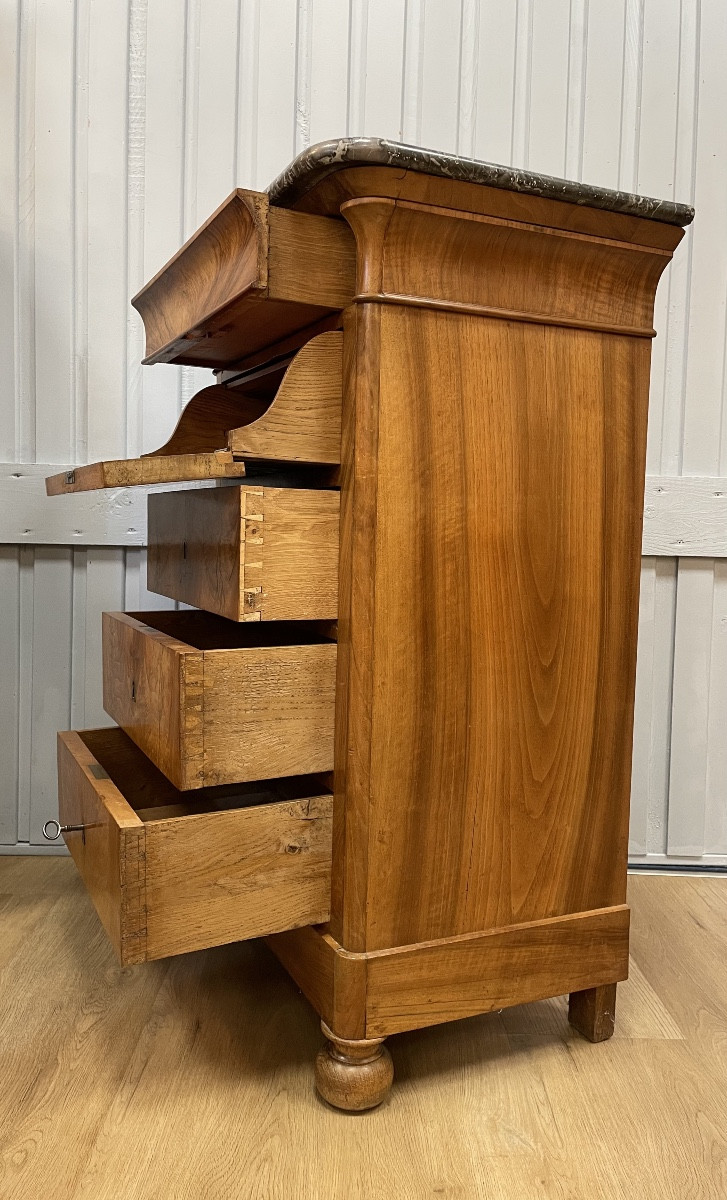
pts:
pixel 130 123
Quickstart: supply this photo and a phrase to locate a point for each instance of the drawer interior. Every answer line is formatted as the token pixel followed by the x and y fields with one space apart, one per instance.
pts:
pixel 205 631
pixel 171 872
pixel 152 797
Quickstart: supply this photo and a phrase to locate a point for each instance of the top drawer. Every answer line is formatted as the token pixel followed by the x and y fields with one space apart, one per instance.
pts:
pixel 247 553
pixel 249 277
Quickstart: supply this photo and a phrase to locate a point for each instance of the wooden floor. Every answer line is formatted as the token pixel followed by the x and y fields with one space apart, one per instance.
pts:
pixel 192 1078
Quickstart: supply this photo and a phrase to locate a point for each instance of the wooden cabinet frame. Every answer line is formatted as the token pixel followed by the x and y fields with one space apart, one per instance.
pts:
pixel 487 401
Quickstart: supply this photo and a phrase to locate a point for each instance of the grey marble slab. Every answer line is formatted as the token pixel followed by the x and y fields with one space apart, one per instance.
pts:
pixel 318 161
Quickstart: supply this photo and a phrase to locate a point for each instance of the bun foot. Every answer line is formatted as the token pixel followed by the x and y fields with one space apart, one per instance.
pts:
pixel 353 1076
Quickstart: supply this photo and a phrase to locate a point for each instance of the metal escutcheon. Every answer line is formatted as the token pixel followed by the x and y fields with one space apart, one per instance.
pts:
pixel 51 836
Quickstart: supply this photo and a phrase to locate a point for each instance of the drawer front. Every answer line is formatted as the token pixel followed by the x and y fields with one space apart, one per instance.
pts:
pixel 211 702
pixel 250 276
pixel 167 875
pixel 247 553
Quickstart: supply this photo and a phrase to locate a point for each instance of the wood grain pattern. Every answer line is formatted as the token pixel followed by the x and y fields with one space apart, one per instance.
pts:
pixel 213 702
pixel 303 423
pixel 197 449
pixel 507 268
pixel 249 276
pixel 593 1012
pixel 330 195
pixel 226 876
pixel 153 686
pixel 109 851
pixel 332 979
pixel 225 258
pixel 407 987
pixel 487 403
pixel 195 549
pixel 165 883
pixel 311 261
pixel 353 1075
pixel 206 419
pixel 493 607
pixel 249 553
pixel 103 1070
pixel 135 472
pixel 426 984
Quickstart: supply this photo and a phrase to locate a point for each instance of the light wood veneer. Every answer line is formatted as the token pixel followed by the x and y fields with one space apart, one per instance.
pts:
pixel 213 702
pixel 477 361
pixel 251 275
pixel 168 874
pixel 297 420
pixel 247 553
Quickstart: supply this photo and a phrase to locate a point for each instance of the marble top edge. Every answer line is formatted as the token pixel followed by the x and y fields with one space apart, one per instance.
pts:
pixel 315 163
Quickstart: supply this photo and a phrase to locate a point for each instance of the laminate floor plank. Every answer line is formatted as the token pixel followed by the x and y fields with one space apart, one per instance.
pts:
pixel 191 1079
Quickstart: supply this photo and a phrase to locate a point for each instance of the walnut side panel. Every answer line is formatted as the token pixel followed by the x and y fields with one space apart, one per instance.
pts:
pixel 492 488
pixel 504 622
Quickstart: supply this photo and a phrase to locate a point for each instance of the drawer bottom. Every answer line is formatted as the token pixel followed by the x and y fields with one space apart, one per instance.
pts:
pixel 170 871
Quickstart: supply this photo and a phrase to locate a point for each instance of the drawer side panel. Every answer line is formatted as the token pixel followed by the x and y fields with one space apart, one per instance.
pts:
pixel 152 686
pixel 194 548
pixel 110 852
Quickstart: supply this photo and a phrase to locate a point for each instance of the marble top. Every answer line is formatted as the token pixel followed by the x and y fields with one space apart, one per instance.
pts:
pixel 318 161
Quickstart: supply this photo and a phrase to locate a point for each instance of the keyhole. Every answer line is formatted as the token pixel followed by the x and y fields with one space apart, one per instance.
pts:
pixel 133 690
pixel 184 549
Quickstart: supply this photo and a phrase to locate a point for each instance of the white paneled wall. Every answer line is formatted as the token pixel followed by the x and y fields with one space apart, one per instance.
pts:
pixel 125 123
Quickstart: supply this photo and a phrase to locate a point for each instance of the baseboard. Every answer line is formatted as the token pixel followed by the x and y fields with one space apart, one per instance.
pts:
pixel 408 987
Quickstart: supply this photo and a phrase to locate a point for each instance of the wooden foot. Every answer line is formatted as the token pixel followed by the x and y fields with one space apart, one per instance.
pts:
pixel 353 1075
pixel 593 1012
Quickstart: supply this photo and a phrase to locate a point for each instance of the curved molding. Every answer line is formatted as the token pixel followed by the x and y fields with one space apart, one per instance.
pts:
pixel 220 263
pixel 206 418
pixel 416 254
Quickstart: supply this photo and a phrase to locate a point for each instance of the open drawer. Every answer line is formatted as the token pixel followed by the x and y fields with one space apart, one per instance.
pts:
pixel 252 275
pixel 285 411
pixel 247 552
pixel 169 874
pixel 211 701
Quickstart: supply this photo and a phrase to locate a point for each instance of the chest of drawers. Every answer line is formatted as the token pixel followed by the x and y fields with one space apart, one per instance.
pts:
pixel 395 738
